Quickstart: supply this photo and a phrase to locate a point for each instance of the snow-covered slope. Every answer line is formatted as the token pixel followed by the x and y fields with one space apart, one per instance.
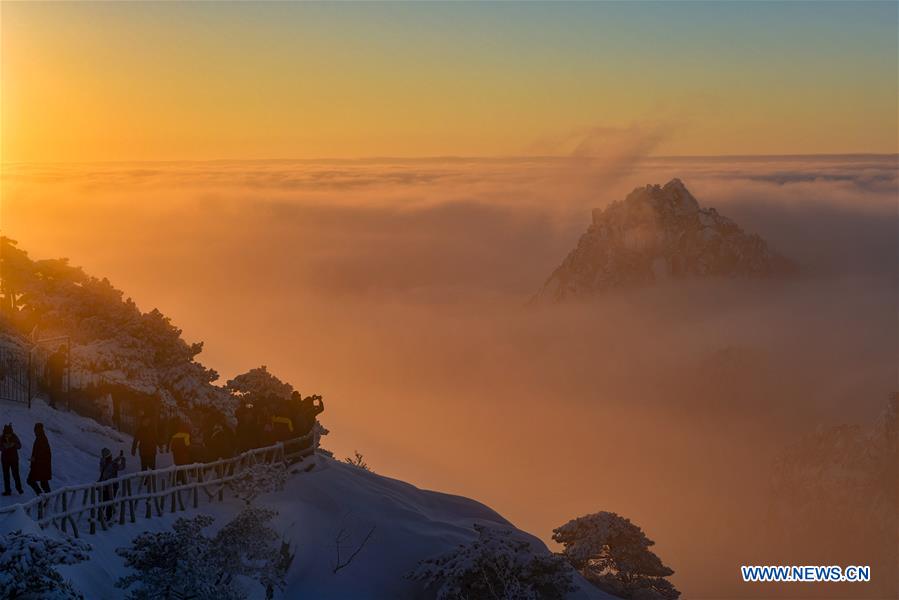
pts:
pixel 75 441
pixel 333 500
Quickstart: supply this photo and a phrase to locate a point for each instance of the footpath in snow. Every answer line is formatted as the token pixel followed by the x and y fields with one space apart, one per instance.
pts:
pixel 75 442
pixel 333 500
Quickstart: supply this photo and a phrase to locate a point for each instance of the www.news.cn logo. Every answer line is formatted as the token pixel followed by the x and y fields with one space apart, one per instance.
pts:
pixel 784 574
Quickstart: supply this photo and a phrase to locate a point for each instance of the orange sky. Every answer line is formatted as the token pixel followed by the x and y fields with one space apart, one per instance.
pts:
pixel 165 81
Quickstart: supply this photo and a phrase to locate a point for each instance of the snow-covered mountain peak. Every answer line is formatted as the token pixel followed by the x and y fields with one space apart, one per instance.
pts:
pixel 659 232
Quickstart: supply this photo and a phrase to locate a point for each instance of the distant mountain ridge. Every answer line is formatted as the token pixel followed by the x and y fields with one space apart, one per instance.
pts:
pixel 658 233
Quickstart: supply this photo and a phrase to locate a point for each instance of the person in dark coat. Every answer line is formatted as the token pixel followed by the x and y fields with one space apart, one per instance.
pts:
pixel 221 442
pixel 9 456
pixel 109 466
pixel 180 448
pixel 309 408
pixel 247 432
pixel 266 428
pixel 40 474
pixel 109 469
pixel 221 445
pixel 54 373
pixel 146 440
pixel 309 411
pixel 295 410
pixel 282 426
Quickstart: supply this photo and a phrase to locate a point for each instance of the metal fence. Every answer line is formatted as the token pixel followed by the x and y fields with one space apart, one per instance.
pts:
pixel 15 376
pixel 39 358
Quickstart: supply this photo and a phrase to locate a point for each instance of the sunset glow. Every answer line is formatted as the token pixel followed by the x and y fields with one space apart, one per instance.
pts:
pixel 616 280
pixel 164 81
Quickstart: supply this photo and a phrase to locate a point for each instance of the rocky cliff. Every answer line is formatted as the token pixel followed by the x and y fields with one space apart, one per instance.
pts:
pixel 657 233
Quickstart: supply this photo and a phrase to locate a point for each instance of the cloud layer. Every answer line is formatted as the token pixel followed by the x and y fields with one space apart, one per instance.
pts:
pixel 397 289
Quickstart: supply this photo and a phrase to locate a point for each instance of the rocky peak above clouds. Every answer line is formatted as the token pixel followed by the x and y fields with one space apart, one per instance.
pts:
pixel 658 233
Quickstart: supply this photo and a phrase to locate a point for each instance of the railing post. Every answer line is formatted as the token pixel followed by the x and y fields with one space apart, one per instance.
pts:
pixel 197 489
pixel 226 467
pixel 151 497
pixel 93 511
pixel 30 367
pixel 131 502
pixel 159 497
pixel 101 511
pixel 65 506
pixel 174 480
pixel 122 502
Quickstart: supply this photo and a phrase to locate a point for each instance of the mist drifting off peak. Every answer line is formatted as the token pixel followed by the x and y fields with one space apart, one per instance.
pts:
pixel 397 289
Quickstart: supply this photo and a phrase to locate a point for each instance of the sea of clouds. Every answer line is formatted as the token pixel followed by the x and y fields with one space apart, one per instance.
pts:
pixel 398 289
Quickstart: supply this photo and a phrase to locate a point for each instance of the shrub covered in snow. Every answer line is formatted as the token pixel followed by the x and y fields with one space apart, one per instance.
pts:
pixel 26 566
pixel 613 554
pixel 258 385
pixel 249 547
pixel 258 479
pixel 115 348
pixel 186 563
pixel 176 565
pixel 113 342
pixel 357 460
pixel 497 565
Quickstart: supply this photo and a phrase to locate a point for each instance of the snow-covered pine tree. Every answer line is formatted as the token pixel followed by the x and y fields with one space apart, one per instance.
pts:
pixel 112 341
pixel 258 479
pixel 27 564
pixel 249 547
pixel 496 565
pixel 258 385
pixel 613 554
pixel 177 565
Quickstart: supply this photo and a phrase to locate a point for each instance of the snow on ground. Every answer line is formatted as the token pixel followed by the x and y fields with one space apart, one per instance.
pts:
pixel 410 524
pixel 75 443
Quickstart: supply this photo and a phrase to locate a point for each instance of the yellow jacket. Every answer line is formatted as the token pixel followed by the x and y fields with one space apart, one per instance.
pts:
pixel 183 435
pixel 283 421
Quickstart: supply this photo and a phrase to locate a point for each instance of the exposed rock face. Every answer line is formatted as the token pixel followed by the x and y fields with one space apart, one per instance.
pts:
pixel 659 232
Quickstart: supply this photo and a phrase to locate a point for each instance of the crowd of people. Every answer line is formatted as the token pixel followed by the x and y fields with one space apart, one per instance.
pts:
pixel 39 473
pixel 262 424
pixel 277 420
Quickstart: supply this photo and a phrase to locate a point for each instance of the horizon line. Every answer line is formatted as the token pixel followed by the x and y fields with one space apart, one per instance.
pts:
pixel 457 157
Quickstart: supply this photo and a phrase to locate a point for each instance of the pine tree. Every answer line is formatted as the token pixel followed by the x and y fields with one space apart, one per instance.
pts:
pixel 27 561
pixel 258 385
pixel 258 479
pixel 177 565
pixel 248 547
pixel 496 566
pixel 613 553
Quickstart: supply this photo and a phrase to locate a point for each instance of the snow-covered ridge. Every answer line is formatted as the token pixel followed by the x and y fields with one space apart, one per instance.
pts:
pixel 656 233
pixel 409 524
pixel 314 507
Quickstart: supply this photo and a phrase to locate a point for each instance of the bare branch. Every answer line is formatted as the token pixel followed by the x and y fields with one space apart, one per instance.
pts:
pixel 343 536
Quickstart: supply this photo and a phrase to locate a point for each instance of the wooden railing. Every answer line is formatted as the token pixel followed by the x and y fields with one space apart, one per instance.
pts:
pixel 146 494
